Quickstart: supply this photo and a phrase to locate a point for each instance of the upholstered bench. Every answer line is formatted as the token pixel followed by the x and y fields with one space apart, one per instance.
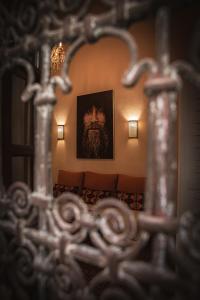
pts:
pixel 68 182
pixel 92 187
pixel 131 191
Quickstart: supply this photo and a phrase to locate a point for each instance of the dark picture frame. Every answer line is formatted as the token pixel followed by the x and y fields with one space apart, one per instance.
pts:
pixel 95 125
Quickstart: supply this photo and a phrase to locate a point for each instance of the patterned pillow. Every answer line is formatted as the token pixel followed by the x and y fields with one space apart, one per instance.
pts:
pixel 92 196
pixel 134 201
pixel 58 189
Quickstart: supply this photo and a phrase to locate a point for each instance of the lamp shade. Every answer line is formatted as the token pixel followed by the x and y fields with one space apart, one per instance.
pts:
pixel 57 56
pixel 133 129
pixel 60 132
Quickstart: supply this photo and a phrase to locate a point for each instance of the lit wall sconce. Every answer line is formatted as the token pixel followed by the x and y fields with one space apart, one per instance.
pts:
pixel 60 132
pixel 133 129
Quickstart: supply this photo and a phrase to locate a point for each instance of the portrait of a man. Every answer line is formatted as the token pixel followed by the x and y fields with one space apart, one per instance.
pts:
pixel 95 125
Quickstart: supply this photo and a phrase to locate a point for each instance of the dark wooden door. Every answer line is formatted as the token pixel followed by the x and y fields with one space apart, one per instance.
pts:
pixel 17 129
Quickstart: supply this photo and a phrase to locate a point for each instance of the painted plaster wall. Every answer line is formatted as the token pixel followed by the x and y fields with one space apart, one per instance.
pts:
pixel 100 67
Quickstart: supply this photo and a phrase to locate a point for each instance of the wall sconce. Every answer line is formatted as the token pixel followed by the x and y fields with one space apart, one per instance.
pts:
pixel 133 129
pixel 60 132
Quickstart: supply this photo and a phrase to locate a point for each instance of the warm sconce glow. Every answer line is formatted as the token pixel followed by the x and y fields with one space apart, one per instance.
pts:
pixel 133 129
pixel 60 132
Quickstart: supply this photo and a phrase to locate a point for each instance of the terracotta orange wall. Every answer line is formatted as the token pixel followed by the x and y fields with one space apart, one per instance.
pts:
pixel 99 67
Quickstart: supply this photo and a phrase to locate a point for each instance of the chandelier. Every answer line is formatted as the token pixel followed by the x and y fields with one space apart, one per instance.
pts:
pixel 57 56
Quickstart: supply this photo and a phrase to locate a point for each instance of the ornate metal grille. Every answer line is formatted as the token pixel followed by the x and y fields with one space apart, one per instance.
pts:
pixel 54 248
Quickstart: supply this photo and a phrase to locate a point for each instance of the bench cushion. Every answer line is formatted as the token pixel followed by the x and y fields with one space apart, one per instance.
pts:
pixel 99 182
pixel 134 201
pixel 130 184
pixel 92 196
pixel 70 179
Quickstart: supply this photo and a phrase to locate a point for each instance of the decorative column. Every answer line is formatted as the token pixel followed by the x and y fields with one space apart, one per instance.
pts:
pixel 162 156
pixel 42 194
pixel 44 102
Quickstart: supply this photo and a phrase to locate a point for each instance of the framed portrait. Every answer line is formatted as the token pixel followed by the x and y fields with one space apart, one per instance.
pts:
pixel 95 125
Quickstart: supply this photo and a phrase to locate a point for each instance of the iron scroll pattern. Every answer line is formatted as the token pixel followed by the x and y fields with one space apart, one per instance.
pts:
pixel 94 255
pixel 56 248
